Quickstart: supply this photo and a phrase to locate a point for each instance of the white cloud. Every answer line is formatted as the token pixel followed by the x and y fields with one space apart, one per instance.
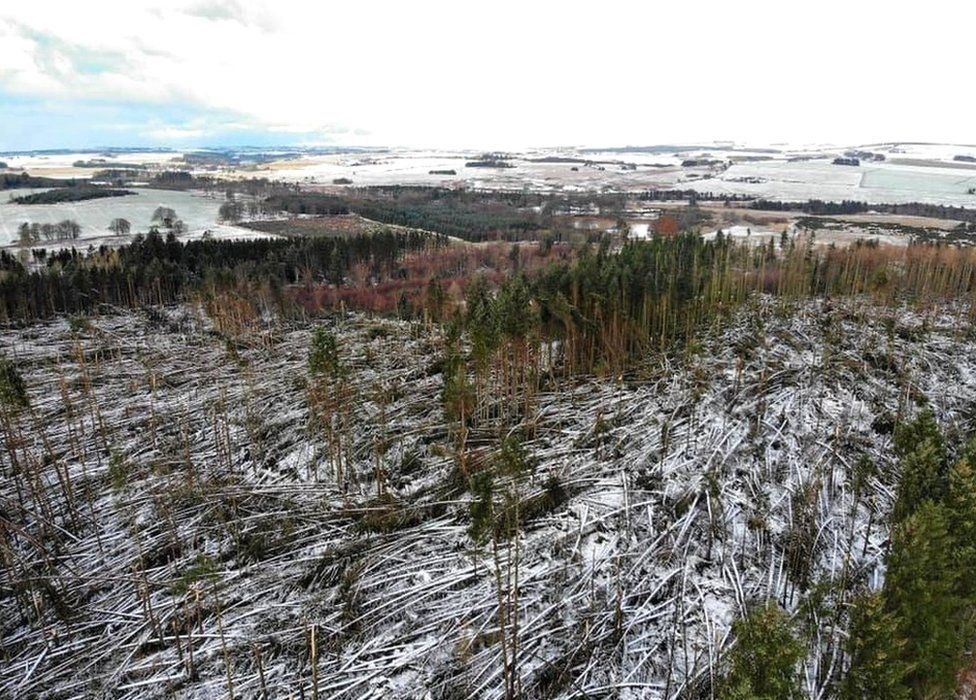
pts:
pixel 514 73
pixel 175 133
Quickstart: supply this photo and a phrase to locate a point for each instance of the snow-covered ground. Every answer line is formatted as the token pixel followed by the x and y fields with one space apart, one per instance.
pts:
pixel 870 182
pixel 198 211
pixel 911 172
pixel 211 545
pixel 62 164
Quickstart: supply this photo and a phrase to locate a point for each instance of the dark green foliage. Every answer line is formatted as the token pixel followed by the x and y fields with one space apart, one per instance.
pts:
pixel 118 472
pixel 323 355
pixel 911 436
pixel 922 457
pixel 861 473
pixel 910 639
pixel 202 572
pixel 920 589
pixel 473 216
pixel 762 664
pixel 78 324
pixel 13 391
pixel 10 181
pixel 961 513
pixel 309 203
pixel 153 269
pixel 513 459
pixel 458 394
pixel 514 314
pixel 819 207
pixel 481 319
pixel 802 535
pixel 70 194
pixel 613 308
pixel 481 510
pixel 877 668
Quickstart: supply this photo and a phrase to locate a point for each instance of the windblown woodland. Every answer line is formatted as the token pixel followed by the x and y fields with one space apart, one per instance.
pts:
pixel 459 451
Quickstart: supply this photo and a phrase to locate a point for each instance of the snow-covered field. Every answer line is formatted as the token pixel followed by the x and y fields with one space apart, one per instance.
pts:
pixel 62 164
pixel 869 182
pixel 198 211
pixel 209 546
pixel 911 172
pixel 920 173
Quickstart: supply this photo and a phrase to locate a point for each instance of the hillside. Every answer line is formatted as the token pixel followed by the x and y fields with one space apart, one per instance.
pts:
pixel 192 510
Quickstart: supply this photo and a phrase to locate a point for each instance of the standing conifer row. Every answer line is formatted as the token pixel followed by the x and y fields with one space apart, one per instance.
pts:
pixel 910 638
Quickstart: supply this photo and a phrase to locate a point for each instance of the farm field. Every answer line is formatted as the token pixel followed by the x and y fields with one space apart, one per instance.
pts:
pixel 923 173
pixel 198 212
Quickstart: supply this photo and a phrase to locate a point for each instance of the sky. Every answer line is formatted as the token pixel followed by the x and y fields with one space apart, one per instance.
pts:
pixel 492 75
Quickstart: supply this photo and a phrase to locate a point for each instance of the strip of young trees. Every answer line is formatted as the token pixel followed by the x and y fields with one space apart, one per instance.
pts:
pixel 820 207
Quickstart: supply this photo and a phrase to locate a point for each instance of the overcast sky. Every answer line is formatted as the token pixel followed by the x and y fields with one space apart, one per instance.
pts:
pixel 496 74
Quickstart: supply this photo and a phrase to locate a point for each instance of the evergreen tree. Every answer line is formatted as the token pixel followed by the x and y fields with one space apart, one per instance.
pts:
pixel 961 506
pixel 876 667
pixel 920 591
pixel 482 320
pixel 762 664
pixel 481 509
pixel 921 450
pixel 323 355
pixel 13 391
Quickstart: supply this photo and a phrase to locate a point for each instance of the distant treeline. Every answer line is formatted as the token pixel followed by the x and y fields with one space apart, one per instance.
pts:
pixel 11 181
pixel 691 196
pixel 310 203
pixel 102 163
pixel 820 207
pixel 490 163
pixel 158 270
pixel 33 233
pixel 183 180
pixel 70 194
pixel 120 176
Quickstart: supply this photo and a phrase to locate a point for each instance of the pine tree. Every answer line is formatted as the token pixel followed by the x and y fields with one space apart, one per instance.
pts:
pixel 961 506
pixel 13 391
pixel 921 450
pixel 876 667
pixel 920 591
pixel 762 664
pixel 323 355
pixel 910 436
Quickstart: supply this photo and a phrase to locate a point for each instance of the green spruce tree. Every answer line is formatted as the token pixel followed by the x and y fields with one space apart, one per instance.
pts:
pixel 763 663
